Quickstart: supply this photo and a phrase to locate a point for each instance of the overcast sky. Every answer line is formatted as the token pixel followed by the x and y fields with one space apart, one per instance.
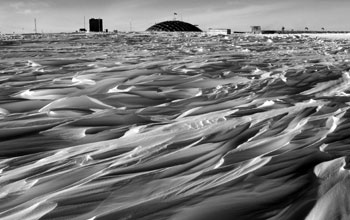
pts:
pixel 68 15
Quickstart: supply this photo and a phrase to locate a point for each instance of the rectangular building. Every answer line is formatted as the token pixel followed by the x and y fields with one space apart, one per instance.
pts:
pixel 218 31
pixel 96 25
pixel 256 29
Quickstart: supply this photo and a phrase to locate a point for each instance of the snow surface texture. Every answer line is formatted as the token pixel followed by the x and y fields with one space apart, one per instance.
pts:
pixel 175 126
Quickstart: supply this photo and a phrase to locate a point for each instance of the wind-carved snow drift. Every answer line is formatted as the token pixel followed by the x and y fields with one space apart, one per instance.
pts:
pixel 168 126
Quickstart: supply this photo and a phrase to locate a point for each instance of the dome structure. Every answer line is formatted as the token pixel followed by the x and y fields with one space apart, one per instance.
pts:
pixel 174 26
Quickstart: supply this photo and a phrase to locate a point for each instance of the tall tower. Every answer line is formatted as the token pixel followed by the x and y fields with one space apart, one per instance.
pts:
pixel 36 31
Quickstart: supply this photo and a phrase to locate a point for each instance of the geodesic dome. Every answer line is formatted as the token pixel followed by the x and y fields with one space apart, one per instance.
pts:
pixel 172 26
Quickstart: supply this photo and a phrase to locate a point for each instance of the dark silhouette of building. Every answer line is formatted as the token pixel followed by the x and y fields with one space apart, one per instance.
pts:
pixel 96 25
pixel 256 29
pixel 174 26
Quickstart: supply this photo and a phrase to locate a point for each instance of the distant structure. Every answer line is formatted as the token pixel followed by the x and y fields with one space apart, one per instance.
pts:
pixel 174 26
pixel 256 30
pixel 82 30
pixel 96 25
pixel 218 31
pixel 35 30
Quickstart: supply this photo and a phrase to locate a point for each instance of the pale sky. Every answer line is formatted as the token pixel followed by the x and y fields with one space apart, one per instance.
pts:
pixel 238 15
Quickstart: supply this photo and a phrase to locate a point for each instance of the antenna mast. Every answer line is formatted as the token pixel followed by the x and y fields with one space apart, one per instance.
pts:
pixel 35 26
